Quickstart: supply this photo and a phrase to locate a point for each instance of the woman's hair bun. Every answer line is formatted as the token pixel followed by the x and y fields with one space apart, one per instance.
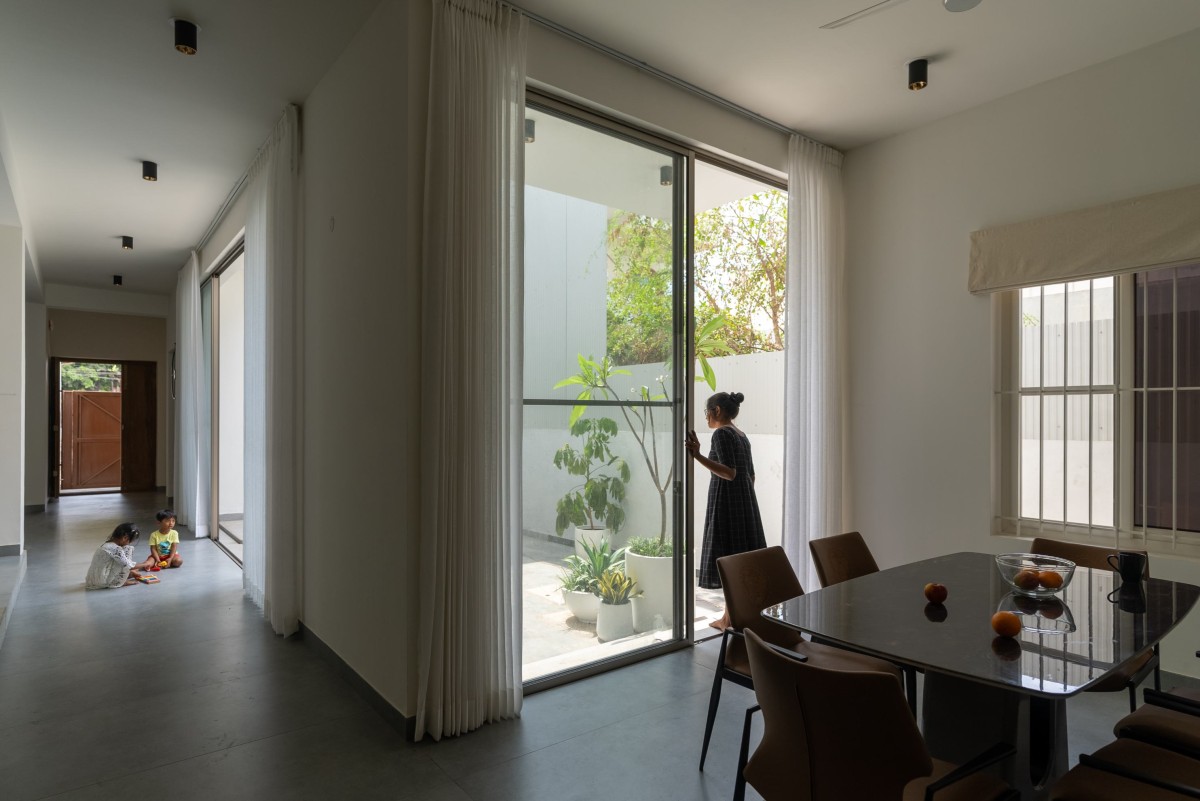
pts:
pixel 736 397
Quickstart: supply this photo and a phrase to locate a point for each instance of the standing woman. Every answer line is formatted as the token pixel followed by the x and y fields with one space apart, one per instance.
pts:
pixel 732 523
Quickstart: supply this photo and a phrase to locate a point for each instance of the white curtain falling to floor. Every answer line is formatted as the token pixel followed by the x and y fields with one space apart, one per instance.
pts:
pixel 812 451
pixel 192 497
pixel 271 549
pixel 469 648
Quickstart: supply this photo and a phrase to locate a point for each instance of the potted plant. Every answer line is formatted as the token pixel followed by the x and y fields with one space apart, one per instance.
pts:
pixel 648 562
pixel 581 578
pixel 595 505
pixel 615 617
pixel 577 592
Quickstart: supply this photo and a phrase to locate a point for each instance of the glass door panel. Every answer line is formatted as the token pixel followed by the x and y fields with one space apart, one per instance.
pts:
pixel 739 303
pixel 603 263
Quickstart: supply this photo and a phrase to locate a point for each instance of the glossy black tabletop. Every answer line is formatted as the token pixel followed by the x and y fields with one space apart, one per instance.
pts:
pixel 1080 638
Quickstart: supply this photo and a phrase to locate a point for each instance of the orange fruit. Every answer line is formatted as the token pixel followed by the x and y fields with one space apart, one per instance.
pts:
pixel 1050 579
pixel 1006 624
pixel 1009 650
pixel 1026 579
pixel 1051 609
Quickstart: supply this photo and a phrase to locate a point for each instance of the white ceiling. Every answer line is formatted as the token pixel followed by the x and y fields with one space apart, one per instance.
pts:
pixel 89 89
pixel 848 86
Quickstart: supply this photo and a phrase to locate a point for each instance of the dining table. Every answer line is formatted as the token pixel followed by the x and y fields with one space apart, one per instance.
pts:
pixel 980 688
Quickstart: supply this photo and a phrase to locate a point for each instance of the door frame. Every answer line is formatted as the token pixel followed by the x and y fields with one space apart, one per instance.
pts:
pixel 54 429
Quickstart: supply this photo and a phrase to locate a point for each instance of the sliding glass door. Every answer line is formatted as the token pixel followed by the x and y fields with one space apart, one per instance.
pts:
pixel 224 315
pixel 605 242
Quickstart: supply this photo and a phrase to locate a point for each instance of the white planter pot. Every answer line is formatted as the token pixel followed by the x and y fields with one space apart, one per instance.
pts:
pixel 593 536
pixel 583 605
pixel 614 621
pixel 653 574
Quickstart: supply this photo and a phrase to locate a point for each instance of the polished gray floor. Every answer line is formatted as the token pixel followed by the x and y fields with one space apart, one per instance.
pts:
pixel 180 691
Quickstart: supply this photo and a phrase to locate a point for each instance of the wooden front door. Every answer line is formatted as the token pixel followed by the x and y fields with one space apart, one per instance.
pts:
pixel 91 440
pixel 139 443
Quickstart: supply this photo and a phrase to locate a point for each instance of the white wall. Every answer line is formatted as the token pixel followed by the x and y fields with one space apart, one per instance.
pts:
pixel 37 413
pixel 12 390
pixel 363 160
pixel 920 402
pixel 118 337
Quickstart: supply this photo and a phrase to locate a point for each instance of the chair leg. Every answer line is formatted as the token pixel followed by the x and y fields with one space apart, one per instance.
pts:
pixel 1157 672
pixel 1132 698
pixel 739 784
pixel 714 699
pixel 910 689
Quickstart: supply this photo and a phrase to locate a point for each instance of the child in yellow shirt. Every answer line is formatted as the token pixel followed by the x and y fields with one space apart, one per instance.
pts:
pixel 164 543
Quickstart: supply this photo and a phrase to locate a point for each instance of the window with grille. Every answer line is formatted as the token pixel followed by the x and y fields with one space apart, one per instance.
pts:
pixel 1098 408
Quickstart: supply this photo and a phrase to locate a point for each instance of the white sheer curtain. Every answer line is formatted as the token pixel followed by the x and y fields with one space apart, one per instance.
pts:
pixel 192 392
pixel 812 451
pixel 271 551
pixel 469 646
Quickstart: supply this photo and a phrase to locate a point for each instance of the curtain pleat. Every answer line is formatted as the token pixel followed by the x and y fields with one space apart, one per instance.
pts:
pixel 271 549
pixel 813 436
pixel 469 644
pixel 192 426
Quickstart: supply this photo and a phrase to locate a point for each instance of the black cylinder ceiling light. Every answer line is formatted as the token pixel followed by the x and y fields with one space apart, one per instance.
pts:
pixel 149 171
pixel 918 74
pixel 666 175
pixel 185 36
pixel 127 243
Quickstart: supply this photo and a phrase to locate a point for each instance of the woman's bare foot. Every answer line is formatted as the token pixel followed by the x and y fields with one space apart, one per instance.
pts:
pixel 722 623
pixel 129 581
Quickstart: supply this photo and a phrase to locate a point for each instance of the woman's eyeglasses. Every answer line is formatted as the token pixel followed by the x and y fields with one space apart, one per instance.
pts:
pixel 709 412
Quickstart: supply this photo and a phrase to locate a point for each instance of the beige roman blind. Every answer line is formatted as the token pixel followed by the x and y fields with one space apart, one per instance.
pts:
pixel 1141 233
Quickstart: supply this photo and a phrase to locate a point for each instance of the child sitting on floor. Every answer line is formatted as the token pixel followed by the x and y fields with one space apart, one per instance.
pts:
pixel 164 543
pixel 112 564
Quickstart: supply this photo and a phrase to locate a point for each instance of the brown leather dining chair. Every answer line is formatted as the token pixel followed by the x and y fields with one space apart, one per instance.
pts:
pixel 846 556
pixel 1134 672
pixel 752 581
pixel 841 557
pixel 847 734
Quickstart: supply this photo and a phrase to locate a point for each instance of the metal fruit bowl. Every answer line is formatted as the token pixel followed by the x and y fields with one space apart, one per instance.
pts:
pixel 1035 575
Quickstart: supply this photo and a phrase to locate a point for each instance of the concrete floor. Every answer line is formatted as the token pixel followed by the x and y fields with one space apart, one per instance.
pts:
pixel 180 691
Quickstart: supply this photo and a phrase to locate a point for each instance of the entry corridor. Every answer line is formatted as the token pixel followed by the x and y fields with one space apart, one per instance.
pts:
pixel 179 690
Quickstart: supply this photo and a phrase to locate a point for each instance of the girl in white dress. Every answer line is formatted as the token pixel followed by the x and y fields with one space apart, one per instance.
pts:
pixel 112 564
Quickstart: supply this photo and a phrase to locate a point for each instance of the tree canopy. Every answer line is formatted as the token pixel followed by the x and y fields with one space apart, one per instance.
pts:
pixel 90 376
pixel 741 263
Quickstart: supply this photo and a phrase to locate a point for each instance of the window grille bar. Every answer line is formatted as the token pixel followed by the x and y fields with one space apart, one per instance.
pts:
pixel 1116 414
pixel 1091 372
pixel 1174 406
pixel 1041 408
pixel 1145 402
pixel 1066 407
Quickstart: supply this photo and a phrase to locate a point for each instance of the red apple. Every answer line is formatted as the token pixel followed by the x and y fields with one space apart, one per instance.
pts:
pixel 936 593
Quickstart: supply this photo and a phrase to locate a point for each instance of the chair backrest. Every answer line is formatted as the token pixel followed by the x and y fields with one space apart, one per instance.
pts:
pixel 1083 555
pixel 831 734
pixel 841 557
pixel 754 580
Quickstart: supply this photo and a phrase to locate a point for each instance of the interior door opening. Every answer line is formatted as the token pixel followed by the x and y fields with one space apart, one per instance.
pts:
pixel 88 452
